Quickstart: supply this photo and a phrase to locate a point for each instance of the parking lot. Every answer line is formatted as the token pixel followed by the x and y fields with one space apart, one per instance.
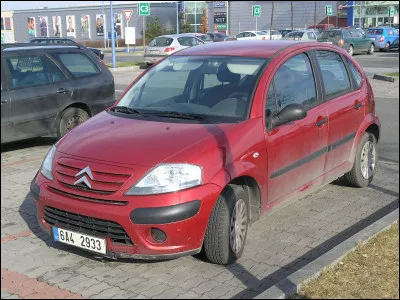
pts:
pixel 277 245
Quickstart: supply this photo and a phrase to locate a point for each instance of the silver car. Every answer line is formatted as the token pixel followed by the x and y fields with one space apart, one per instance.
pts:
pixel 166 45
pixel 301 35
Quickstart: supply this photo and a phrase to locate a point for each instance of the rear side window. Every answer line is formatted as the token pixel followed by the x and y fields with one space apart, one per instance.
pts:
pixel 27 71
pixel 78 64
pixel 311 36
pixel 294 83
pixel 333 34
pixel 161 42
pixel 187 41
pixel 356 74
pixel 334 74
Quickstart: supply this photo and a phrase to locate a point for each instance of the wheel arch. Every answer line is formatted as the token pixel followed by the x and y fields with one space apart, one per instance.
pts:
pixel 80 105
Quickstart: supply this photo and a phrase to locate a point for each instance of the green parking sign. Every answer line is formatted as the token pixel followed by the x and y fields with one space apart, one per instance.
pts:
pixel 256 11
pixel 144 9
pixel 391 11
pixel 328 10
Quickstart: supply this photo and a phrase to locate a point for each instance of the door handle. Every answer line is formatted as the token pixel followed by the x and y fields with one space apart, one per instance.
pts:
pixel 321 122
pixel 358 105
pixel 62 91
pixel 4 101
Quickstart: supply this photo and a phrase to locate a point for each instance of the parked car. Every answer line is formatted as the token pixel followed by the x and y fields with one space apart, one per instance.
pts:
pixel 218 37
pixel 241 129
pixel 57 40
pixel 285 31
pixel 301 35
pixel 252 35
pixel 352 40
pixel 166 45
pixel 273 34
pixel 382 36
pixel 204 37
pixel 395 44
pixel 322 27
pixel 50 89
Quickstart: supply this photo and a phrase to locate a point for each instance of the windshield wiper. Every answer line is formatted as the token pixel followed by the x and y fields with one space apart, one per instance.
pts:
pixel 177 115
pixel 125 109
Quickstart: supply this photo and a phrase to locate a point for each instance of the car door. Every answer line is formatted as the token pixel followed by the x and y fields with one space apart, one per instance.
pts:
pixel 355 41
pixel 36 94
pixel 345 106
pixel 5 105
pixel 296 151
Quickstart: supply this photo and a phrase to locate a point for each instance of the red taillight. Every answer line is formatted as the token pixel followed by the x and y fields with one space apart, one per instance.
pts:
pixel 371 100
pixel 263 37
pixel 169 49
pixel 341 43
pixel 102 62
pixel 382 39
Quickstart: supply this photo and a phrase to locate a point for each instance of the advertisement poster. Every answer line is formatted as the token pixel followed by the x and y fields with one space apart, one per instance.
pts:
pixel 71 26
pixel 31 27
pixel 118 24
pixel 85 23
pixel 100 25
pixel 8 23
pixel 57 26
pixel 43 21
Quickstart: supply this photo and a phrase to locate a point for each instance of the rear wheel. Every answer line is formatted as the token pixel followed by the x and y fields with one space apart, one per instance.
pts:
pixel 227 227
pixel 71 118
pixel 350 50
pixel 387 47
pixel 364 167
pixel 371 49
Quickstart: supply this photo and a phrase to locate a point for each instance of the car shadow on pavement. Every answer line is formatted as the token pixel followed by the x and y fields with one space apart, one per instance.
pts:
pixel 18 145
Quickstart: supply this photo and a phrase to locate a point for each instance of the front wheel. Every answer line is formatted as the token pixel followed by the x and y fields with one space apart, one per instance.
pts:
pixel 387 47
pixel 227 227
pixel 371 49
pixel 364 167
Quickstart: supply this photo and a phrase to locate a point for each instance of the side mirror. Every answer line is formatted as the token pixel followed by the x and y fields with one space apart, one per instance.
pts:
pixel 289 113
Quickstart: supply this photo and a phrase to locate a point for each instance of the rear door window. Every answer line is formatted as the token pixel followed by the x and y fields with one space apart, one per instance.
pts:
pixel 355 73
pixel 334 74
pixel 187 41
pixel 161 42
pixel 78 64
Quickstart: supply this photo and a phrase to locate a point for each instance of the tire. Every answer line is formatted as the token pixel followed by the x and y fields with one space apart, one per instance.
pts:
pixel 71 118
pixel 371 49
pixel 218 244
pixel 356 177
pixel 350 50
pixel 387 47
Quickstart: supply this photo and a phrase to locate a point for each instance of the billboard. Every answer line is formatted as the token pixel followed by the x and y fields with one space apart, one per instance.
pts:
pixel 100 25
pixel 71 30
pixel 85 26
pixel 118 24
pixel 43 24
pixel 57 26
pixel 31 27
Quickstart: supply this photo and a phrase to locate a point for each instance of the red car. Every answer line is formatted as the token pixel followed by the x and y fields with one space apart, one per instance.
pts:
pixel 203 143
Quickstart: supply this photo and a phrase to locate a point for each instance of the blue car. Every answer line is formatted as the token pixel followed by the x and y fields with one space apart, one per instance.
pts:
pixel 384 37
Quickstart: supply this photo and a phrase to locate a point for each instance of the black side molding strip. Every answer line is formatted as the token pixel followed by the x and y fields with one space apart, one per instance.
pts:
pixel 166 214
pixel 312 156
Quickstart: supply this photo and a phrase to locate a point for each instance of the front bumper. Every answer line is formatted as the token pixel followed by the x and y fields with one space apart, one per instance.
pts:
pixel 182 216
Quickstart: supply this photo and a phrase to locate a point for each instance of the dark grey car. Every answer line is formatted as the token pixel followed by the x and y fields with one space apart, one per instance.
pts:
pixel 48 90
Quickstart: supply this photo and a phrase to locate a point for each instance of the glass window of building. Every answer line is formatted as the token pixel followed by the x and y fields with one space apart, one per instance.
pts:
pixel 193 13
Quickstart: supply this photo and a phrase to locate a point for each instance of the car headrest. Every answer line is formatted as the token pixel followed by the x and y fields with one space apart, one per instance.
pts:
pixel 225 75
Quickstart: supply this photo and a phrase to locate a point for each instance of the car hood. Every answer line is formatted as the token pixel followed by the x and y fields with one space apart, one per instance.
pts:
pixel 110 138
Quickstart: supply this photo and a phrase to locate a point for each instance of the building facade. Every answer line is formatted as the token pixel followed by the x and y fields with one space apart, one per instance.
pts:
pixel 7 27
pixel 372 13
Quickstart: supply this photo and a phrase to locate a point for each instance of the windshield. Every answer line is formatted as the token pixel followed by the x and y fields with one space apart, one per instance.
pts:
pixel 219 88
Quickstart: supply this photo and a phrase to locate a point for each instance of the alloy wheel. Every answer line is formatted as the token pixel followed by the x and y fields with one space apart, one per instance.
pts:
pixel 238 228
pixel 368 160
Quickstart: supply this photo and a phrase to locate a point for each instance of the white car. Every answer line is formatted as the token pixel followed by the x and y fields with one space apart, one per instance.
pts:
pixel 251 35
pixel 301 35
pixel 273 34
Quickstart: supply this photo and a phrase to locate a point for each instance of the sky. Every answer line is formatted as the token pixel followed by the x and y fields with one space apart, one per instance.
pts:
pixel 16 5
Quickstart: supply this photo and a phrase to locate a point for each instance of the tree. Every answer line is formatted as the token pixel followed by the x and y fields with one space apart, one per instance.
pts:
pixel 204 22
pixel 184 27
pixel 154 29
pixel 272 19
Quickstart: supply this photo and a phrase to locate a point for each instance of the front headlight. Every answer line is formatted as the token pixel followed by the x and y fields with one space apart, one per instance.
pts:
pixel 47 165
pixel 167 178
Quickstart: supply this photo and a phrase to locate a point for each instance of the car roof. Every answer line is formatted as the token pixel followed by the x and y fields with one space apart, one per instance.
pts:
pixel 25 46
pixel 246 48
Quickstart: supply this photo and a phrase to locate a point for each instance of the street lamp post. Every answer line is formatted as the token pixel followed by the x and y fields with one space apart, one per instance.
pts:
pixel 177 17
pixel 104 24
pixel 112 35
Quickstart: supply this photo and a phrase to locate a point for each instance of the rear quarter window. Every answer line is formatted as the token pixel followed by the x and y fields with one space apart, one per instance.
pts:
pixel 78 64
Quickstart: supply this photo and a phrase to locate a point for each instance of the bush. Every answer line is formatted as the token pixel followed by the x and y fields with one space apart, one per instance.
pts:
pixel 153 30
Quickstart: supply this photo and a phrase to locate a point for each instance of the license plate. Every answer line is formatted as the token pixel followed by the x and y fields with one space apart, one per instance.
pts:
pixel 154 52
pixel 80 240
pixel 328 42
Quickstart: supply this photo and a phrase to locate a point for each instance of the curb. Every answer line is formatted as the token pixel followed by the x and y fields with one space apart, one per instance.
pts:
pixel 384 78
pixel 292 284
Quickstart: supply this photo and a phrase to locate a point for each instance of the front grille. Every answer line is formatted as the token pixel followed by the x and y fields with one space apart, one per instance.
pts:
pixel 103 183
pixel 88 225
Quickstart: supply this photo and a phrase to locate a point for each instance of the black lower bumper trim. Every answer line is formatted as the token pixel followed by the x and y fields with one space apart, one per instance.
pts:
pixel 165 215
pixel 35 190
